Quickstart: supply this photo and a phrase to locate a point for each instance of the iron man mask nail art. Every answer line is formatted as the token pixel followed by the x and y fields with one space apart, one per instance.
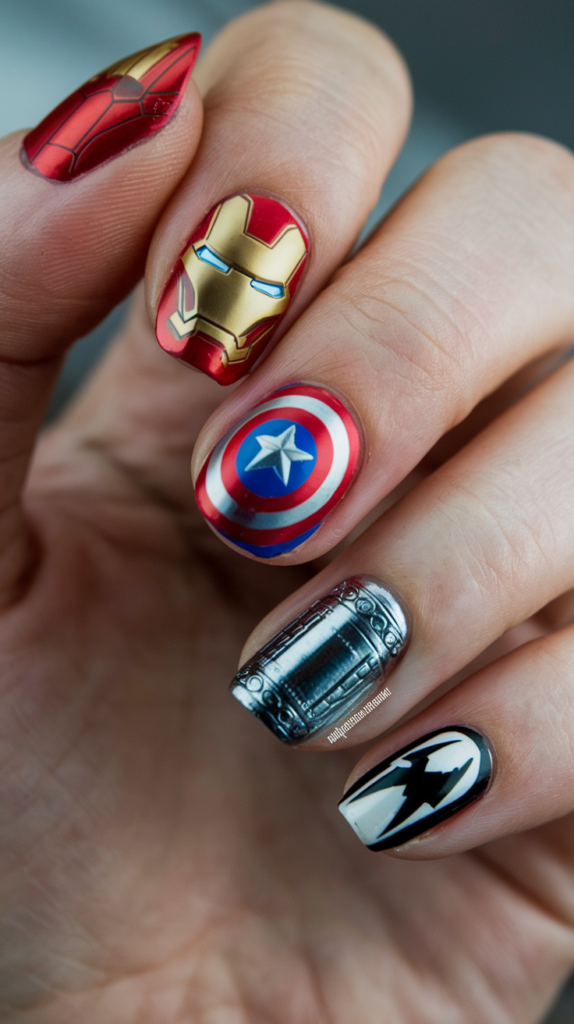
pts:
pixel 272 479
pixel 232 285
pixel 120 107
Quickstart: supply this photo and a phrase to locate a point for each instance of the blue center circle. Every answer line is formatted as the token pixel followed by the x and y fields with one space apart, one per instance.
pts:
pixel 266 481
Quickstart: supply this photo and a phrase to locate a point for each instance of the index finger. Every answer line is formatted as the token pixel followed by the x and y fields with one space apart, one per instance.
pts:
pixel 306 108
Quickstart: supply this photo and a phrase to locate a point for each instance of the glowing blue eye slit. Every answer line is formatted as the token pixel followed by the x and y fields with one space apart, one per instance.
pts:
pixel 274 291
pixel 208 256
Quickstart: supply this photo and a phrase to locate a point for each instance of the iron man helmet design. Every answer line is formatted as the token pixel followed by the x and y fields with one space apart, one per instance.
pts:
pixel 232 285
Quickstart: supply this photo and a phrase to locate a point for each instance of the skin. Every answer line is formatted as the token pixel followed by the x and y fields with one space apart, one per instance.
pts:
pixel 164 858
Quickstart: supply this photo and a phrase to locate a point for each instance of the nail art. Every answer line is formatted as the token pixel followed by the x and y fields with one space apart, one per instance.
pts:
pixel 272 479
pixel 326 662
pixel 232 285
pixel 121 106
pixel 418 787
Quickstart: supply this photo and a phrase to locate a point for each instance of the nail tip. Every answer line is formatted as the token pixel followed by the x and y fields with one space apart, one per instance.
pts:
pixel 98 121
pixel 267 718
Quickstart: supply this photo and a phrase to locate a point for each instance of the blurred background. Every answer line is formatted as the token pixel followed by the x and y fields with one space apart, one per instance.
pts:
pixel 493 65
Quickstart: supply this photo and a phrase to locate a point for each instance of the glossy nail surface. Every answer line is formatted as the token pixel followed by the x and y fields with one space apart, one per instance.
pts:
pixel 325 663
pixel 120 107
pixel 272 479
pixel 232 285
pixel 418 787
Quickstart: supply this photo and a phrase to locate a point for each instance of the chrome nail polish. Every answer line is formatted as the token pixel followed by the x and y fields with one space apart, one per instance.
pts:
pixel 325 663
pixel 419 786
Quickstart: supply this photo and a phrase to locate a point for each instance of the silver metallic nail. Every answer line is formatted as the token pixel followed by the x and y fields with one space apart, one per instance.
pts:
pixel 417 787
pixel 326 662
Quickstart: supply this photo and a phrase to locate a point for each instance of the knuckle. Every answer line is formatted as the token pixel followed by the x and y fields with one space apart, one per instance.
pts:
pixel 321 81
pixel 502 537
pixel 416 332
pixel 441 287
pixel 517 168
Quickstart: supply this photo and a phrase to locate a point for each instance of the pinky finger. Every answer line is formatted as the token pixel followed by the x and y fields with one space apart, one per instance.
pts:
pixel 493 757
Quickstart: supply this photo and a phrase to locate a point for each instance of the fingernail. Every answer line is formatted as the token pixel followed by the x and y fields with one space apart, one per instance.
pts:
pixel 421 785
pixel 120 107
pixel 274 477
pixel 232 285
pixel 326 663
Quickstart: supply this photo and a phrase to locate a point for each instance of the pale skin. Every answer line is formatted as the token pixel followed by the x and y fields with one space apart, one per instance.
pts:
pixel 164 859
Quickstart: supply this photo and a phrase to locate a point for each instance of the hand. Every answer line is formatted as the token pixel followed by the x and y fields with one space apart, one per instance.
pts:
pixel 164 858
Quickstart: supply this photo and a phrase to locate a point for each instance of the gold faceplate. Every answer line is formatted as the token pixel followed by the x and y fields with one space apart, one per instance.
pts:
pixel 227 234
pixel 225 306
pixel 138 63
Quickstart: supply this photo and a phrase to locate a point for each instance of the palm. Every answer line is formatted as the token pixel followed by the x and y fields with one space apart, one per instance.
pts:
pixel 164 859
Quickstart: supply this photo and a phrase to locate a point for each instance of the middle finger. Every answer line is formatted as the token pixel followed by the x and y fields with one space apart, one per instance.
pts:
pixel 305 110
pixel 466 282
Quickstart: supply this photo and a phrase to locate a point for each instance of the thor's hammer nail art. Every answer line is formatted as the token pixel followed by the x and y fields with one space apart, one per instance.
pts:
pixel 418 787
pixel 326 662
pixel 273 478
pixel 232 285
pixel 121 106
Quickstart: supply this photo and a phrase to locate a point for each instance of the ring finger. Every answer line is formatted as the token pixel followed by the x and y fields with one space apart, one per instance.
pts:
pixel 476 549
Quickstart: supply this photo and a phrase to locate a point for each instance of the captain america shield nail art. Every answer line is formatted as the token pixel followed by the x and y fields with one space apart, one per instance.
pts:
pixel 232 285
pixel 269 483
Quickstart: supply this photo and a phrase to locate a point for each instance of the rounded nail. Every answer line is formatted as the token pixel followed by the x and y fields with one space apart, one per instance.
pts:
pixel 418 787
pixel 327 663
pixel 232 285
pixel 273 478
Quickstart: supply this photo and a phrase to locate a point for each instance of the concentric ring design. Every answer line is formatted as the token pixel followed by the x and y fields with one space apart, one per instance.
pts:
pixel 272 479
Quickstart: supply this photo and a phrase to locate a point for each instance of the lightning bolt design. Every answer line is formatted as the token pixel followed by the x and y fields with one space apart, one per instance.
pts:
pixel 412 791
pixel 421 786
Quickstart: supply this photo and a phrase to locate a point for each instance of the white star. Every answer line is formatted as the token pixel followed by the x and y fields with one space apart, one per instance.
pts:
pixel 278 453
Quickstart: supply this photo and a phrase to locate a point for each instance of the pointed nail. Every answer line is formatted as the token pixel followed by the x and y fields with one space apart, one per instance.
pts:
pixel 121 106
pixel 418 787
pixel 327 662
pixel 273 478
pixel 232 285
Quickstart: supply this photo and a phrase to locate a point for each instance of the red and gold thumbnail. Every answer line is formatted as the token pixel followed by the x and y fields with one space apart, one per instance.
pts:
pixel 120 107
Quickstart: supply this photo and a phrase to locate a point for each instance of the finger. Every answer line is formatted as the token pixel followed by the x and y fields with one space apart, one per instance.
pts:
pixel 272 76
pixel 502 741
pixel 467 281
pixel 306 109
pixel 72 243
pixel 477 548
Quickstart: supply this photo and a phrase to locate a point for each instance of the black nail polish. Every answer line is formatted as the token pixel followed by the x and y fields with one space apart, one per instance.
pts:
pixel 418 787
pixel 327 662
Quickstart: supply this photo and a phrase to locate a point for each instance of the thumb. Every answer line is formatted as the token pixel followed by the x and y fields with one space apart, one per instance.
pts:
pixel 73 243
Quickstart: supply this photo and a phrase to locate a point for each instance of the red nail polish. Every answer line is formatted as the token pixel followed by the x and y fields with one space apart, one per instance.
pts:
pixel 232 285
pixel 120 107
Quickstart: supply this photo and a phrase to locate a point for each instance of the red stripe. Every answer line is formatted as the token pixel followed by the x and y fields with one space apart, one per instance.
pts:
pixel 277 536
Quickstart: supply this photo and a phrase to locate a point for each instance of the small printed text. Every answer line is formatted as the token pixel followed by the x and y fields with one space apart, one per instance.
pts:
pixel 340 732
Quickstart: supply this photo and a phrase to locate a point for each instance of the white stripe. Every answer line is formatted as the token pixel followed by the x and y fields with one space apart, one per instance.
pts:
pixel 225 504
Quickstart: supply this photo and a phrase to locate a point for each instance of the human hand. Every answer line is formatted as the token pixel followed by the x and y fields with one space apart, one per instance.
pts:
pixel 163 857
